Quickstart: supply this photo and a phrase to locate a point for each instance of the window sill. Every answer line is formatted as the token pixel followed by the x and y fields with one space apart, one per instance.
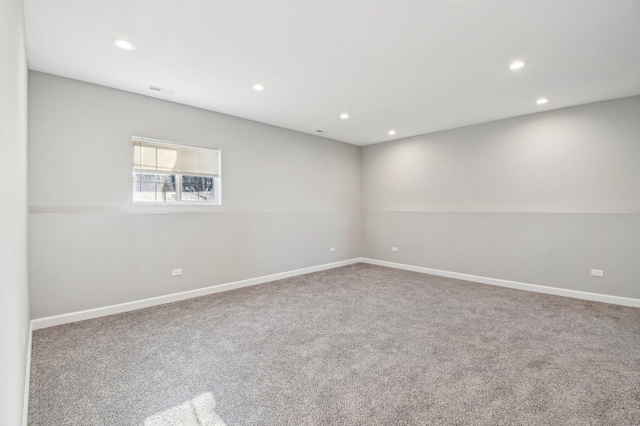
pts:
pixel 184 203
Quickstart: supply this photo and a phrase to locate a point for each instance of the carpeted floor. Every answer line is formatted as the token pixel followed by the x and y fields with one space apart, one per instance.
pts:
pixel 355 345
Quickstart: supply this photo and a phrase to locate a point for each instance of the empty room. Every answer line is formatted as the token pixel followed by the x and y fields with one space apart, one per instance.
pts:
pixel 279 212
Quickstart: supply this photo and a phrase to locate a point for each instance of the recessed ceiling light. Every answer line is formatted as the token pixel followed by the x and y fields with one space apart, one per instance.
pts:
pixel 516 65
pixel 344 116
pixel 392 132
pixel 259 87
pixel 124 45
pixel 542 101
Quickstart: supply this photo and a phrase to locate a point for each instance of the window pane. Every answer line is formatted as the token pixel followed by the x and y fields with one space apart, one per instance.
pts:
pixel 206 193
pixel 197 188
pixel 152 187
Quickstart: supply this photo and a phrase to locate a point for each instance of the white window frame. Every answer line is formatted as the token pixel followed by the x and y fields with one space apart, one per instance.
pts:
pixel 217 180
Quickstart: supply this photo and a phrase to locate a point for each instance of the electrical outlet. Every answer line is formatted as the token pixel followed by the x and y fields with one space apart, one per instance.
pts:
pixel 597 272
pixel 176 272
pixel 394 249
pixel 332 249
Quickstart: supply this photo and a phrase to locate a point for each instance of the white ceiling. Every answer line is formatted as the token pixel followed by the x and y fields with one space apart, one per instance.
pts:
pixel 416 66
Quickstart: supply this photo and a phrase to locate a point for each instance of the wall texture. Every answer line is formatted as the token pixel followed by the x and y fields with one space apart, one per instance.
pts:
pixel 14 307
pixel 540 199
pixel 287 198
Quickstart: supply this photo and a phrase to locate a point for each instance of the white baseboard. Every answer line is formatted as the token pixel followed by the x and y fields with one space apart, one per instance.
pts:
pixel 160 300
pixel 144 303
pixel 616 300
pixel 25 410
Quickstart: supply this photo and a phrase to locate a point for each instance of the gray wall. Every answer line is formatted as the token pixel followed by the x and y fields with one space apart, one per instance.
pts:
pixel 14 307
pixel 540 199
pixel 287 198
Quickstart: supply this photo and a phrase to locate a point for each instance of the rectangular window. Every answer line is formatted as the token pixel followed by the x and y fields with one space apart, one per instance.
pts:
pixel 168 173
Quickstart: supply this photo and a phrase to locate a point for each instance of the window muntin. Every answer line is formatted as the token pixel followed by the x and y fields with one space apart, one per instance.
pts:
pixel 169 173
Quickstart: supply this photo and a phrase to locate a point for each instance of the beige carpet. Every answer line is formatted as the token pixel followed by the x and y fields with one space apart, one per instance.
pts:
pixel 355 345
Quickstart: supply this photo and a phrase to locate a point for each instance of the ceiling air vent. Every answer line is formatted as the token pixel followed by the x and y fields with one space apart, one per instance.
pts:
pixel 161 90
